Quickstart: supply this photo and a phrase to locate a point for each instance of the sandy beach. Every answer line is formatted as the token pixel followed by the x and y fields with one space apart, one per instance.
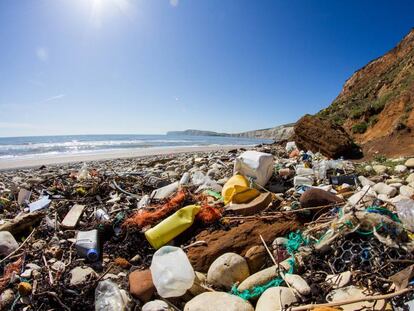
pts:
pixel 22 162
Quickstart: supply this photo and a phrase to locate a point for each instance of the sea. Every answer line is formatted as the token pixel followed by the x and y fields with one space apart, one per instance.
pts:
pixel 29 147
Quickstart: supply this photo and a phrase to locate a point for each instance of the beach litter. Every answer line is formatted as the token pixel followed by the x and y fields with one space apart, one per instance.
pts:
pixel 270 228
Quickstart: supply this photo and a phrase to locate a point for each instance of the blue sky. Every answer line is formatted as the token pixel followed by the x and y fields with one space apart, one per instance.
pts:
pixel 131 66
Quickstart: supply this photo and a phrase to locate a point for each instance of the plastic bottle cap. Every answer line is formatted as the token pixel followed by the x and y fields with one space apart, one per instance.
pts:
pixel 92 255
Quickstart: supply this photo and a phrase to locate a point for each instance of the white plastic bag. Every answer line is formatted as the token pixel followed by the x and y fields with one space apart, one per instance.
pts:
pixel 257 165
pixel 405 211
pixel 108 297
pixel 171 272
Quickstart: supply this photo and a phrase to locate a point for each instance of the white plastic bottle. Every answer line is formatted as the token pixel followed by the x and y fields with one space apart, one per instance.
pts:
pixel 171 272
pixel 87 244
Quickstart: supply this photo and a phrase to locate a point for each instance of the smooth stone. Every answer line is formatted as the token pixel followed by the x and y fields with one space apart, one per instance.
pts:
pixel 396 185
pixel 339 280
pixel 410 178
pixel 298 283
pixel 256 258
pixel 383 197
pixel 200 279
pixel 365 181
pixel 409 163
pixel 380 169
pixel 276 299
pixel 141 285
pixel 214 301
pixel 353 292
pixel 368 168
pixel 6 299
pixel 393 181
pixel 280 241
pixel 382 188
pixel 156 305
pixel 80 275
pixel 400 168
pixel 8 243
pixel 406 191
pixel 228 269
pixel 366 195
pixel 259 278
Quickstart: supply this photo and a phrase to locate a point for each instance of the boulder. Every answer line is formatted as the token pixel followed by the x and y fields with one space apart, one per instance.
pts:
pixel 8 243
pixel 213 301
pixel 141 285
pixel 228 269
pixel 317 197
pixel 409 163
pixel 320 135
pixel 276 299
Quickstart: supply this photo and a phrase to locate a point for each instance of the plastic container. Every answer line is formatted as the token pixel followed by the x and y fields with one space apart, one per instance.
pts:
pixel 101 215
pixel 257 165
pixel 237 190
pixel 405 211
pixel 343 179
pixel 171 272
pixel 87 244
pixel 108 297
pixel 172 226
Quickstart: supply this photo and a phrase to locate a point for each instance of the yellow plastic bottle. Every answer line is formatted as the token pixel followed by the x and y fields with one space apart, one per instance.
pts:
pixel 172 226
pixel 237 190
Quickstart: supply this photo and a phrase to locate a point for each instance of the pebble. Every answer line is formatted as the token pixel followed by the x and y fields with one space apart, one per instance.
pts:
pixel 259 278
pixel 276 299
pixel 256 258
pixel 409 163
pixel 400 168
pixel 156 305
pixel 368 168
pixel 24 288
pixel 339 280
pixel 380 169
pixel 410 178
pixel 141 285
pixel 406 191
pixel 80 275
pixel 393 180
pixel 214 301
pixel 58 266
pixel 228 269
pixel 382 188
pixel 298 283
pixel 8 243
pixel 38 245
pixel 6 299
pixel 365 181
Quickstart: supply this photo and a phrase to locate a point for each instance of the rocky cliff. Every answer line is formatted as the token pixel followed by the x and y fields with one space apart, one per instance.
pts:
pixel 376 103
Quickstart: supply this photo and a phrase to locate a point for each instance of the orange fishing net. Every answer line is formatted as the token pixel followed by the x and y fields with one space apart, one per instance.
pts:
pixel 8 272
pixel 158 212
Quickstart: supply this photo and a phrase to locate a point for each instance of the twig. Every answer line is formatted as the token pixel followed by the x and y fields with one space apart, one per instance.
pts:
pixel 48 269
pixel 196 243
pixel 124 191
pixel 349 301
pixel 54 295
pixel 105 273
pixel 17 249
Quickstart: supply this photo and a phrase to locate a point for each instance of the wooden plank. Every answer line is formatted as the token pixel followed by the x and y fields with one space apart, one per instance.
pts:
pixel 72 217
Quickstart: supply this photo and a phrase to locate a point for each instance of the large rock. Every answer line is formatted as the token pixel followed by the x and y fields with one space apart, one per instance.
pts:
pixel 8 243
pixel 407 191
pixel 317 197
pixel 319 135
pixel 276 299
pixel 141 285
pixel 238 239
pixel 214 301
pixel 380 169
pixel 228 269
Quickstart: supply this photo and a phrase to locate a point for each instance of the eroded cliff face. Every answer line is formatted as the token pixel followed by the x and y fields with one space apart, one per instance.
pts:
pixel 376 103
pixel 278 133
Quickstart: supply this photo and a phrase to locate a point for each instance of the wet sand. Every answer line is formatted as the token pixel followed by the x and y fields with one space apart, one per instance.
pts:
pixel 115 154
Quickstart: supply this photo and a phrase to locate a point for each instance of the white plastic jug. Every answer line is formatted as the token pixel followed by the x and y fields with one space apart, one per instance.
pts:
pixel 258 165
pixel 171 272
pixel 108 297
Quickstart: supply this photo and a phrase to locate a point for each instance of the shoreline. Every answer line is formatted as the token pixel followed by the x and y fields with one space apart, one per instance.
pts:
pixel 21 163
